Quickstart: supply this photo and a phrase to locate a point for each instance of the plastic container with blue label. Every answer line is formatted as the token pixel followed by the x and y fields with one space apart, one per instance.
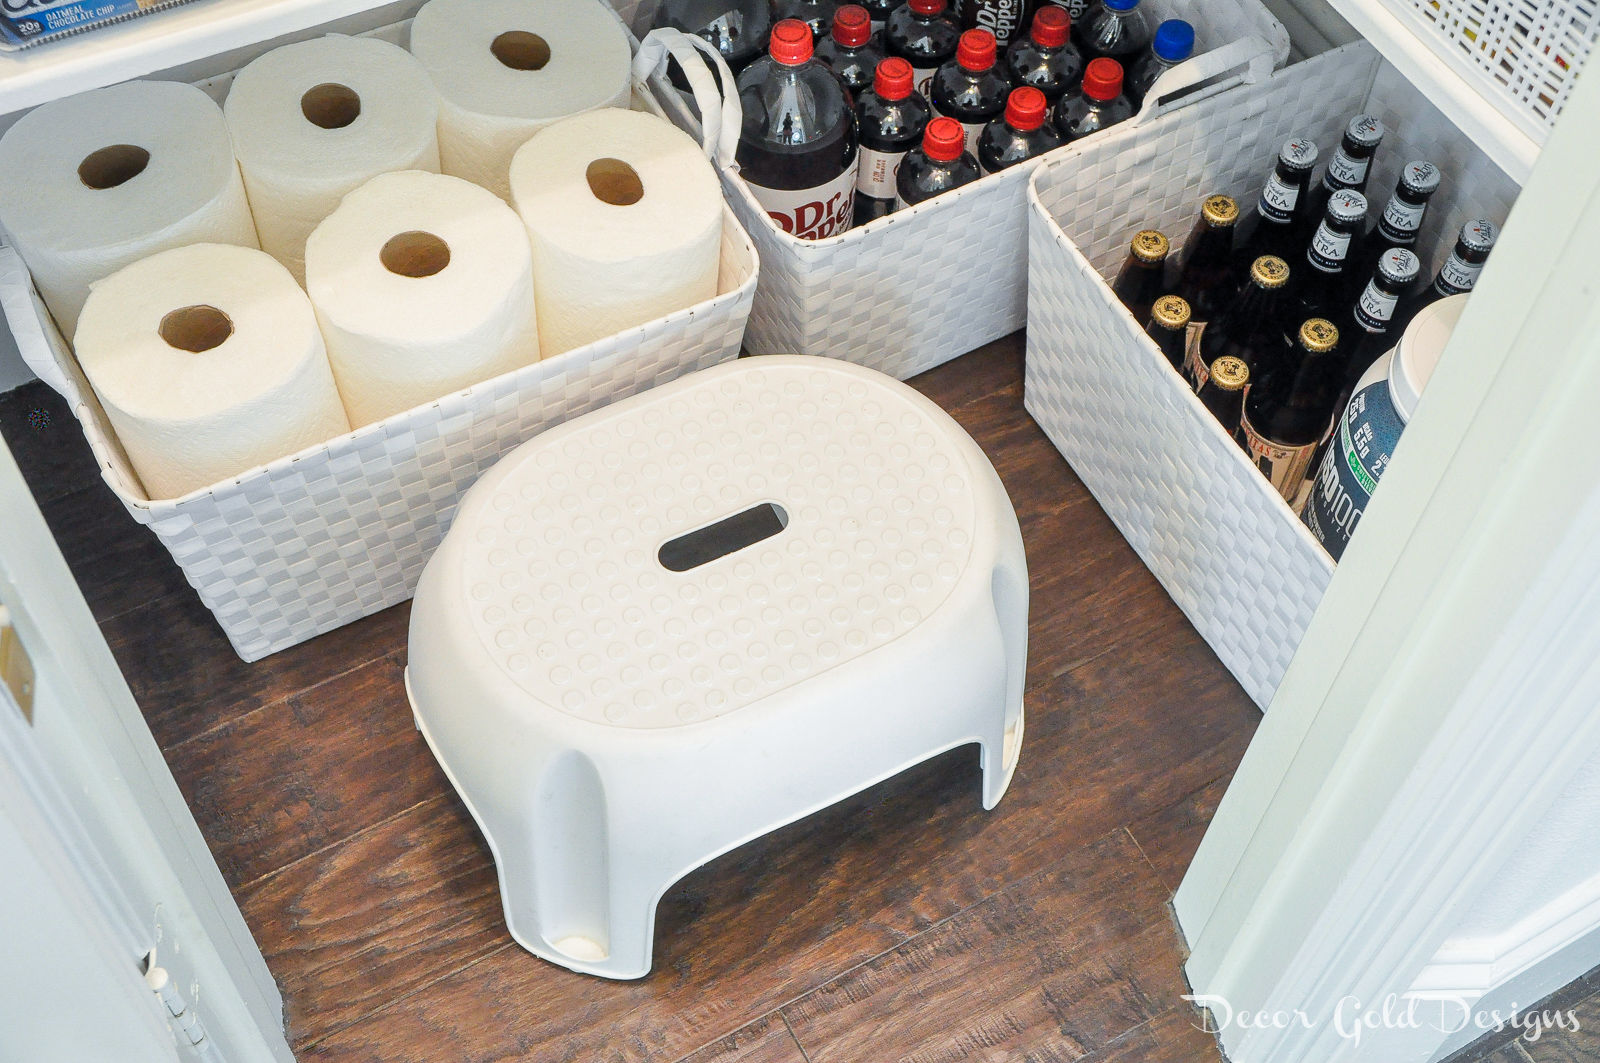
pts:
pixel 1365 436
pixel 28 22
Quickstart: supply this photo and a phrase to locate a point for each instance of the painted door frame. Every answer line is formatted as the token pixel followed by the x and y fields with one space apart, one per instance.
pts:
pixel 1445 691
pixel 87 800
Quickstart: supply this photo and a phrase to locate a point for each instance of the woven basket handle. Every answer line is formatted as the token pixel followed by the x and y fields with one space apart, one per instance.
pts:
pixel 720 117
pixel 1244 61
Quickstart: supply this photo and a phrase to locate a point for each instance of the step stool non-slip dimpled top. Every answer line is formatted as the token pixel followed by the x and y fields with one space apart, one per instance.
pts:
pixel 566 593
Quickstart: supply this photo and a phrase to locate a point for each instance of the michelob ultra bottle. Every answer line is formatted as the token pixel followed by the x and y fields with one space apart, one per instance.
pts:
pixel 1322 286
pixel 1458 275
pixel 1273 226
pixel 1351 164
pixel 1401 219
pixel 1290 406
pixel 797 147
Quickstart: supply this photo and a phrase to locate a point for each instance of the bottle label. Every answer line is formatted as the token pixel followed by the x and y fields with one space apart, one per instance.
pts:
pixel 1401 219
pixel 1284 466
pixel 1375 308
pixel 1368 430
pixel 922 80
pixel 1458 276
pixel 1328 249
pixel 812 213
pixel 1194 366
pixel 1278 199
pixel 1346 171
pixel 877 173
pixel 1003 18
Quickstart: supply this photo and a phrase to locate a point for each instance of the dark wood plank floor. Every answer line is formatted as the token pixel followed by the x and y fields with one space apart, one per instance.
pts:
pixel 903 924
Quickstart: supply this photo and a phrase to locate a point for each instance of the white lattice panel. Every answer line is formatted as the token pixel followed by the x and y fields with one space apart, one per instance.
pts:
pixel 1208 525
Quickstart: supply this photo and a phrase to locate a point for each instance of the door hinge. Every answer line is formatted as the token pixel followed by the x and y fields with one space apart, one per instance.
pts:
pixel 16 667
pixel 183 1018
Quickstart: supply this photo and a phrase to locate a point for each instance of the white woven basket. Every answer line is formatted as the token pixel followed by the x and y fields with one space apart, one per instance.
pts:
pixel 317 539
pixel 1522 54
pixel 1233 556
pixel 919 287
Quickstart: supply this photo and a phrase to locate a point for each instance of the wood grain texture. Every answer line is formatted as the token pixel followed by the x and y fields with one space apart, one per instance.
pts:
pixel 1169 837
pixel 119 565
pixel 279 783
pixel 1175 1036
pixel 1568 1046
pixel 348 928
pixel 187 679
pixel 767 1040
pixel 47 442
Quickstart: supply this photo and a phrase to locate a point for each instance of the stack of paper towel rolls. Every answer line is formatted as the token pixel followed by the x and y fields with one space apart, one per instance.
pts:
pixel 624 213
pixel 208 361
pixel 94 182
pixel 423 284
pixel 507 68
pixel 314 120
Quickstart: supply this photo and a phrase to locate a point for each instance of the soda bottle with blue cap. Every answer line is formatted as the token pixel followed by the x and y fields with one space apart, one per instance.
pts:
pixel 1172 44
pixel 1113 29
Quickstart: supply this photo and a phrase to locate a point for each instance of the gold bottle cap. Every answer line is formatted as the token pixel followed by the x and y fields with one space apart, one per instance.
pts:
pixel 1149 246
pixel 1319 335
pixel 1270 271
pixel 1229 373
pixel 1219 211
pixel 1170 312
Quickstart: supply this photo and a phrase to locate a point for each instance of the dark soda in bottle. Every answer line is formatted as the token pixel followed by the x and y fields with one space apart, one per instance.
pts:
pixel 1113 29
pixel 797 147
pixel 1003 18
pixel 1172 44
pixel 923 34
pixel 816 14
pixel 880 10
pixel 941 164
pixel 890 118
pixel 1097 104
pixel 1045 58
pixel 1019 134
pixel 968 88
pixel 738 29
pixel 848 48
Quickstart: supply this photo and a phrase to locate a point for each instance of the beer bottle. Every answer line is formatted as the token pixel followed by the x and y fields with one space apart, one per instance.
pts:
pixel 1168 326
pixel 1290 407
pixel 1143 275
pixel 1273 226
pixel 1207 277
pixel 1351 165
pixel 1401 220
pixel 1323 286
pixel 1459 273
pixel 1249 328
pixel 1367 330
pixel 1223 392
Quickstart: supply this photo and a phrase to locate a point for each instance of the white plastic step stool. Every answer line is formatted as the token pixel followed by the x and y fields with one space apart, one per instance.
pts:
pixel 675 624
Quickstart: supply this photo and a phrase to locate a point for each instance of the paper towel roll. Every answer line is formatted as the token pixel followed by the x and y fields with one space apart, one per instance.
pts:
pixel 311 121
pixel 625 216
pixel 423 285
pixel 507 68
pixel 93 182
pixel 208 362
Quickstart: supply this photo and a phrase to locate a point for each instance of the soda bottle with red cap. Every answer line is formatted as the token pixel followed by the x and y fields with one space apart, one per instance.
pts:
pixel 1098 104
pixel 880 10
pixel 890 119
pixel 849 49
pixel 1045 58
pixel 940 164
pixel 1019 134
pixel 1113 29
pixel 1003 18
pixel 923 34
pixel 969 88
pixel 797 147
pixel 817 14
